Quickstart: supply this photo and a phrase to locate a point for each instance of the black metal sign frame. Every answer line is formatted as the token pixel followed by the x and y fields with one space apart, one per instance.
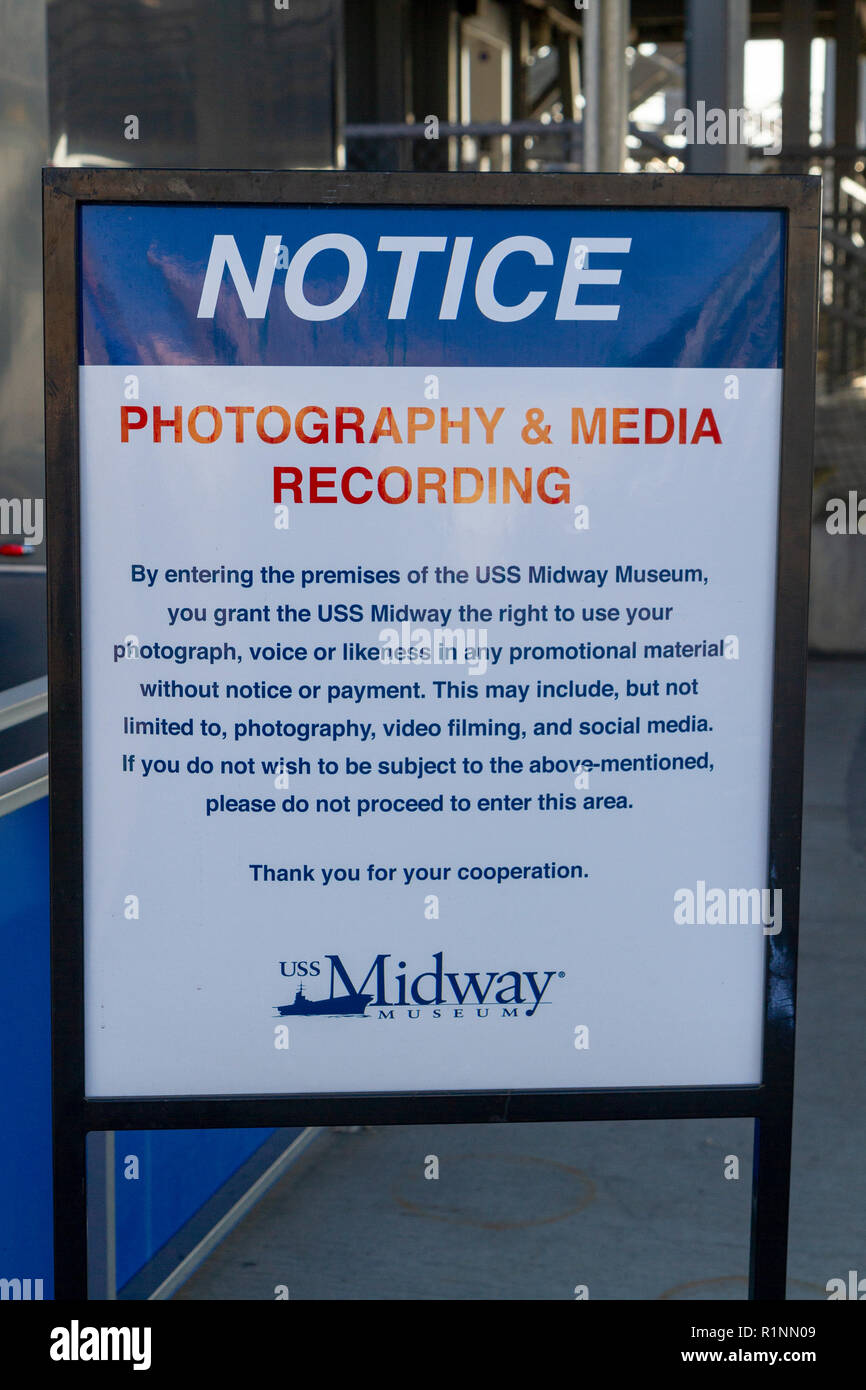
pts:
pixel 770 1103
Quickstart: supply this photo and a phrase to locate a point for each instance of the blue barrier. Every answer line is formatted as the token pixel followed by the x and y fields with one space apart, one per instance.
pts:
pixel 26 1249
pixel 180 1173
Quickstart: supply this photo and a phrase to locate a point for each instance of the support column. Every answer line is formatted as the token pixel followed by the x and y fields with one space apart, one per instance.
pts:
pixel 569 84
pixel 613 123
pixel 845 113
pixel 433 31
pixel 222 98
pixel 771 1184
pixel 519 104
pixel 845 354
pixel 797 30
pixel 715 45
pixel 590 44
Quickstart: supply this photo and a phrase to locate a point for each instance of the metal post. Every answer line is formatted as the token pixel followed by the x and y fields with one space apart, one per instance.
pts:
pixel 614 85
pixel 389 55
pixel 797 29
pixel 592 89
pixel 828 129
pixel 519 105
pixel 828 135
pixel 845 97
pixel 845 121
pixel 222 96
pixel 569 74
pixel 715 42
pixel 433 36
pixel 70 1209
pixel 771 1185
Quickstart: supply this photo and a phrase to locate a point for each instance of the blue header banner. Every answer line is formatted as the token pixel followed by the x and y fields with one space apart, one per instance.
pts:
pixel 562 287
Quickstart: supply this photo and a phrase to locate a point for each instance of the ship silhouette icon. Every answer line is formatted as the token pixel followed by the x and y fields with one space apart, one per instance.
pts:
pixel 352 1003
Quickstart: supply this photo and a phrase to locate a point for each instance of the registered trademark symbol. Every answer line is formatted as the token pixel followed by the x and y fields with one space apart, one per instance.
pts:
pixel 562 974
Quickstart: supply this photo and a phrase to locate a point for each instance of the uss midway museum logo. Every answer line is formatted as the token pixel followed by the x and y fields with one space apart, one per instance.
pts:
pixel 389 991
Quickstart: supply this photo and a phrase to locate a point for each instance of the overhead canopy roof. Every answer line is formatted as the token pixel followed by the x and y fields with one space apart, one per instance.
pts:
pixel 663 21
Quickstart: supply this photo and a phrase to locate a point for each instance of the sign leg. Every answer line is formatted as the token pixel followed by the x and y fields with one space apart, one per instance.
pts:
pixel 771 1184
pixel 70 1213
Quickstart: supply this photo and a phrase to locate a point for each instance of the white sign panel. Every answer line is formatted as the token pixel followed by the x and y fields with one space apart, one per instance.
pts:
pixel 428 565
